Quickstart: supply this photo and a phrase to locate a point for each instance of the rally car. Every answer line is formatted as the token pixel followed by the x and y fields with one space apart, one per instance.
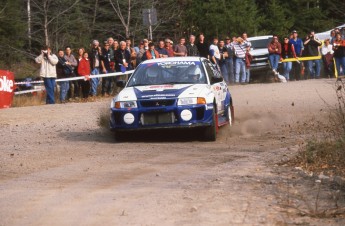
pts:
pixel 178 92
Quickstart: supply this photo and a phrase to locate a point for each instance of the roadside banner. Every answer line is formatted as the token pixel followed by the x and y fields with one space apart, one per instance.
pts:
pixel 7 87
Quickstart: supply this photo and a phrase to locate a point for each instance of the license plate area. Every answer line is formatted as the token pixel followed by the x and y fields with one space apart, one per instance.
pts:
pixel 154 118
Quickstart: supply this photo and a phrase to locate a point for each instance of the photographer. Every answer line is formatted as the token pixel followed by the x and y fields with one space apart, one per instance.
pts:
pixel 48 72
pixel 311 48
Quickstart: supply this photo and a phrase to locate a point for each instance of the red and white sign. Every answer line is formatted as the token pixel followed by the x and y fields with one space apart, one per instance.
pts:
pixel 7 87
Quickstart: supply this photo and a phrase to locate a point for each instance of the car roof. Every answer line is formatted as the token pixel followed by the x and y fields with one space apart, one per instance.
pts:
pixel 169 59
pixel 260 37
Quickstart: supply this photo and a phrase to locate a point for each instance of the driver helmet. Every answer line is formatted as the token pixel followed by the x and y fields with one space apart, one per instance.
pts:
pixel 152 72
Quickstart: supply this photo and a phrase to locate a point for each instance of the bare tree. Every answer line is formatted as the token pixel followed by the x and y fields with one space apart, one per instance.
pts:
pixel 46 11
pixel 29 23
pixel 119 12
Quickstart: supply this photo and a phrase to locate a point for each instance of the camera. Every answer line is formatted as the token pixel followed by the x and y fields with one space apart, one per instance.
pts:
pixel 45 51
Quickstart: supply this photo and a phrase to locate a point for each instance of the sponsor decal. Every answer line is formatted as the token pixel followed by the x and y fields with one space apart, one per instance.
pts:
pixel 159 95
pixel 161 87
pixel 177 63
pixel 6 88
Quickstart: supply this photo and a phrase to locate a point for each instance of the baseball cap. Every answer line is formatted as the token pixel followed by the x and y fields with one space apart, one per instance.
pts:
pixel 294 31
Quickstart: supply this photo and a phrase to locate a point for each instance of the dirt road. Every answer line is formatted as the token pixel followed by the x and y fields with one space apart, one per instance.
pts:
pixel 58 167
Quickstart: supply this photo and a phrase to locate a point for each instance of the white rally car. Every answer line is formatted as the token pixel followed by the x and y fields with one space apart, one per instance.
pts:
pixel 178 92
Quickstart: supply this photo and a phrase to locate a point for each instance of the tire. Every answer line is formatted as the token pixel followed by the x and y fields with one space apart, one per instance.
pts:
pixel 229 116
pixel 210 133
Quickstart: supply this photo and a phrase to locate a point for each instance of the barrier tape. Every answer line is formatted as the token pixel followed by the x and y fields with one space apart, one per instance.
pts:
pixel 115 74
pixel 301 59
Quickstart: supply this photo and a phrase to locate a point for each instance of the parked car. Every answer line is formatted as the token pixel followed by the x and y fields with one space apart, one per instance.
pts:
pixel 260 64
pixel 178 92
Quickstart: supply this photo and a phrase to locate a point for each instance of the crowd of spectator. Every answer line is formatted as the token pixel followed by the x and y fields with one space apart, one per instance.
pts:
pixel 230 55
pixel 332 50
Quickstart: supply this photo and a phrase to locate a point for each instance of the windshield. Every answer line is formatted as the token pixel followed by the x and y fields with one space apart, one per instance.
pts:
pixel 260 43
pixel 168 72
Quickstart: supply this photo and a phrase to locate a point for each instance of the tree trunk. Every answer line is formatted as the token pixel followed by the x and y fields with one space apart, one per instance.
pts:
pixel 45 25
pixel 29 24
pixel 94 15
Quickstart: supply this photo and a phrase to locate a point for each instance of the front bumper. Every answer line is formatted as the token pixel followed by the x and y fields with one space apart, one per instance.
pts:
pixel 162 117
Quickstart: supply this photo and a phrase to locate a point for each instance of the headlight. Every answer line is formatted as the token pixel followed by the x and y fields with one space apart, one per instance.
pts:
pixel 126 104
pixel 191 101
pixel 187 101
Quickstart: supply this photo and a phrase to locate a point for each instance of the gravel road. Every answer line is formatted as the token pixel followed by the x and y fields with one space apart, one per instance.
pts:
pixel 59 167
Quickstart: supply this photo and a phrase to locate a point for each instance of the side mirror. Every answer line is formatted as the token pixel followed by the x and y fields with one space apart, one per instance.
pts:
pixel 121 83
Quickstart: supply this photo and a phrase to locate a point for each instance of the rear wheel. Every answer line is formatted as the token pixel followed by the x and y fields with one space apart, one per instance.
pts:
pixel 230 117
pixel 210 132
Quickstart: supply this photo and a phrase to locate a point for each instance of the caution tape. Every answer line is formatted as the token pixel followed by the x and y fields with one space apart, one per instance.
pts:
pixel 301 59
pixel 69 79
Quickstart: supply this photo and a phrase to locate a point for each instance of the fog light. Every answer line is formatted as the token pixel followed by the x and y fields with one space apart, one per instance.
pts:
pixel 186 115
pixel 128 118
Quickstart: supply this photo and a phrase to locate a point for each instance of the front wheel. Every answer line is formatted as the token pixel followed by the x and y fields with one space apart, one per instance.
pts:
pixel 210 132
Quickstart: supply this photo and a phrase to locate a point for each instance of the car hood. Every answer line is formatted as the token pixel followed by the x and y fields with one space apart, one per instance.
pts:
pixel 160 91
pixel 259 52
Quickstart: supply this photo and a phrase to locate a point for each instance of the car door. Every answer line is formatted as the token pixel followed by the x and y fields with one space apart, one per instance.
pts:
pixel 218 85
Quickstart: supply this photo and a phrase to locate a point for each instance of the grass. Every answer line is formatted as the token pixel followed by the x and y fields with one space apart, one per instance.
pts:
pixel 326 153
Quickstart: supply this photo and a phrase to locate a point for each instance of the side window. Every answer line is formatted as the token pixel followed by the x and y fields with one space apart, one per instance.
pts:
pixel 209 71
pixel 213 73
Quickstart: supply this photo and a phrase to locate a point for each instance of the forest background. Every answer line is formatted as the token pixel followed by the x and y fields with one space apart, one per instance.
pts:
pixel 27 25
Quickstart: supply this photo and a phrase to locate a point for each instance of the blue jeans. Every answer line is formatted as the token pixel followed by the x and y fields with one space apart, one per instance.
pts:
pixel 224 70
pixel 64 87
pixel 340 61
pixel 230 66
pixel 287 69
pixel 247 74
pixel 274 60
pixel 240 68
pixel 106 84
pixel 49 84
pixel 310 66
pixel 94 82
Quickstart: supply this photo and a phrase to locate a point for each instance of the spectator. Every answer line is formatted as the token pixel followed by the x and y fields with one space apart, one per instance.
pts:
pixel 72 63
pixel 298 45
pixel 192 49
pixel 339 53
pixel 122 58
pixel 222 61
pixel 84 69
pixel 203 47
pixel 180 49
pixel 246 42
pixel 240 49
pixel 94 55
pixel 274 50
pixel 63 71
pixel 106 68
pixel 141 52
pixel 115 45
pixel 327 57
pixel 151 53
pixel 230 60
pixel 162 50
pixel 214 52
pixel 168 47
pixel 110 41
pixel 287 51
pixel 48 63
pixel 311 49
pixel 332 37
pixel 133 53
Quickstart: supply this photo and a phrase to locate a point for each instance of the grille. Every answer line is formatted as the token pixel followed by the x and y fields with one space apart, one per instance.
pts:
pixel 157 103
pixel 157 118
